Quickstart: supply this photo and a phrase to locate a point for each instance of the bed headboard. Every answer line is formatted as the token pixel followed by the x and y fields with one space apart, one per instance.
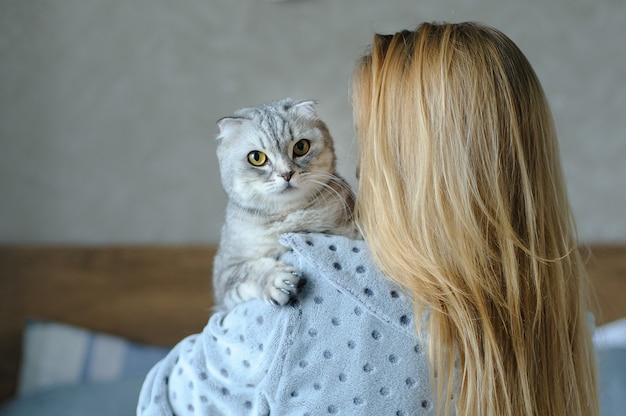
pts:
pixel 158 295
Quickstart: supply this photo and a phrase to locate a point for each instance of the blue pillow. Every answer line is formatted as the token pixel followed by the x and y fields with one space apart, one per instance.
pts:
pixel 57 354
pixel 72 371
pixel 612 380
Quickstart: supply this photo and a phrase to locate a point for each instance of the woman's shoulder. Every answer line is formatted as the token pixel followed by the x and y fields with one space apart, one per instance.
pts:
pixel 346 265
pixel 352 348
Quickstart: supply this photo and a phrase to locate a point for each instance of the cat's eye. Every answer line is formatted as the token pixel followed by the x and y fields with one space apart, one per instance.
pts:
pixel 257 158
pixel 301 148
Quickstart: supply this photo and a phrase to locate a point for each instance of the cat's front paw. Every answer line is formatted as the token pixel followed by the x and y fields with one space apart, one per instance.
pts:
pixel 282 286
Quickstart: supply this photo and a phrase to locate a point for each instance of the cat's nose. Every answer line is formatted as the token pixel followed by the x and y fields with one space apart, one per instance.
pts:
pixel 287 175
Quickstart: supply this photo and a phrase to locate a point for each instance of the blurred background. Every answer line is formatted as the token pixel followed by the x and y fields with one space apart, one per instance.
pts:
pixel 108 108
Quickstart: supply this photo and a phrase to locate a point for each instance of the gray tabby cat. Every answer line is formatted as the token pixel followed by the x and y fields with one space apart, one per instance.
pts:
pixel 277 166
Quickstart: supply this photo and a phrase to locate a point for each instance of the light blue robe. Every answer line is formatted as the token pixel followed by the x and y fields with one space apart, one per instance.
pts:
pixel 347 346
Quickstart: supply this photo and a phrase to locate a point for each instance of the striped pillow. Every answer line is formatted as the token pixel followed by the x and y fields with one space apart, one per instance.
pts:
pixel 59 354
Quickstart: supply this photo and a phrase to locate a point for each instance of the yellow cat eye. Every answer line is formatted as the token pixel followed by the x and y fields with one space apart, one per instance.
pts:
pixel 257 158
pixel 301 148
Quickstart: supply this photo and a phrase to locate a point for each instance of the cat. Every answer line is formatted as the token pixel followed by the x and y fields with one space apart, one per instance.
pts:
pixel 277 165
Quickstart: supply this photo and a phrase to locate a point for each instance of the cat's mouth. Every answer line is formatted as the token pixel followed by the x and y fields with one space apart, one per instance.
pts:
pixel 288 188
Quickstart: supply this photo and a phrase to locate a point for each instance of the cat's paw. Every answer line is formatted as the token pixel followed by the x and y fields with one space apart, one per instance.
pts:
pixel 282 286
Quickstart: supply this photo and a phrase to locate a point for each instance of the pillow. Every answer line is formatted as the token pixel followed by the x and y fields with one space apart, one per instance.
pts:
pixel 611 335
pixel 58 354
pixel 610 344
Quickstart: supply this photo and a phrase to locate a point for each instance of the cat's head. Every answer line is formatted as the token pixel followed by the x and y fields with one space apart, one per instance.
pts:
pixel 276 155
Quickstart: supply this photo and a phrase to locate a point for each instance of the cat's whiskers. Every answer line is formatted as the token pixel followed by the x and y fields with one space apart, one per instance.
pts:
pixel 325 181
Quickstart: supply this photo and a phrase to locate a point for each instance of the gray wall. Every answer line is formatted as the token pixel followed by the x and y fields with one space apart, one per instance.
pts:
pixel 108 107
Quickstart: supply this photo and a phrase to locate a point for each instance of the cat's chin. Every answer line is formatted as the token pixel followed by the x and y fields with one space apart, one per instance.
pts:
pixel 287 198
pixel 289 193
pixel 288 190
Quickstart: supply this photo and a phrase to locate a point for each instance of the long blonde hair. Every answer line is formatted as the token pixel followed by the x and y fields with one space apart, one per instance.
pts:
pixel 462 200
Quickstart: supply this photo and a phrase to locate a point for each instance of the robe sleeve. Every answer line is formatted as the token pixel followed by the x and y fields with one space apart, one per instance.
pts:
pixel 220 371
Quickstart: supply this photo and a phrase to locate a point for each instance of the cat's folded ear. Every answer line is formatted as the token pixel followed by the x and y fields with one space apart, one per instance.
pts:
pixel 306 107
pixel 227 123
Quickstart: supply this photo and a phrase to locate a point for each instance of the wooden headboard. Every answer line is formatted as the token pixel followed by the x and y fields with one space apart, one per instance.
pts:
pixel 158 295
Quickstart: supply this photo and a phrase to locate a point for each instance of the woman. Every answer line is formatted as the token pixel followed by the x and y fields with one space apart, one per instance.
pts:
pixel 468 293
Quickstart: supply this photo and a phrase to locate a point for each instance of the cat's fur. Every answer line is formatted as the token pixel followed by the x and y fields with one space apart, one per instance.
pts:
pixel 289 193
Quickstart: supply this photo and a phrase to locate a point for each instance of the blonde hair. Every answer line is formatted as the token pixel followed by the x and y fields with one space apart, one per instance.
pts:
pixel 462 201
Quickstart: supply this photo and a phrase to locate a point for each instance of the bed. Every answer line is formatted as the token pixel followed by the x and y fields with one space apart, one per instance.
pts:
pixel 117 310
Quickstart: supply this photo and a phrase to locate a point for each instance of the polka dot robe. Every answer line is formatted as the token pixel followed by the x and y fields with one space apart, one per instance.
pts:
pixel 346 346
